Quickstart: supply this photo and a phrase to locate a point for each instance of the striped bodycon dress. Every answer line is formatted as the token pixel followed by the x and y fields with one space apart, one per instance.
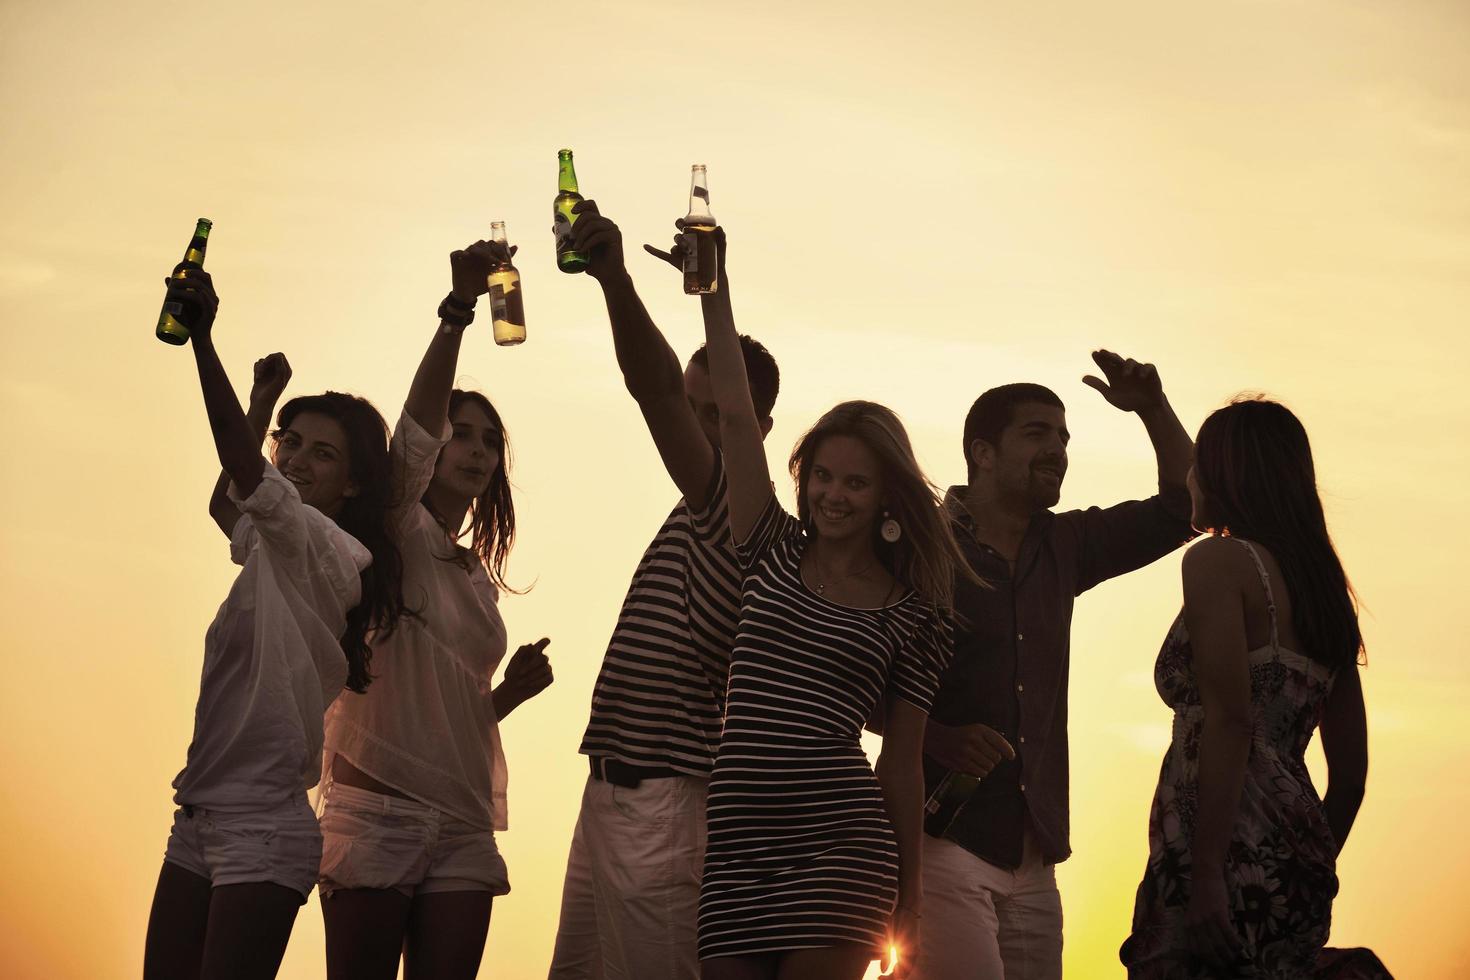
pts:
pixel 801 853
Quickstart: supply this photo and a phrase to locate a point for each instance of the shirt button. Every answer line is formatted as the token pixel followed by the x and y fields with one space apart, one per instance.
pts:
pixel 1022 739
pixel 1023 787
pixel 1020 636
pixel 1020 687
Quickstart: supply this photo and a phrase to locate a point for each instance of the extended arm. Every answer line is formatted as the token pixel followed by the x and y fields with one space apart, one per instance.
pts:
pixel 747 473
pixel 1345 744
pixel 650 367
pixel 234 442
pixel 1135 387
pixel 428 396
pixel 900 774
pixel 271 376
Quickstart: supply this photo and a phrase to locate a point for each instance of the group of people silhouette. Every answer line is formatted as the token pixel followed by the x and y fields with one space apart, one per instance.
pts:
pixel 731 827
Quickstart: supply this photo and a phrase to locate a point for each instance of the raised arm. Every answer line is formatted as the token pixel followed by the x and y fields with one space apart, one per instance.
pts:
pixel 900 772
pixel 650 367
pixel 1345 744
pixel 1135 387
pixel 428 396
pixel 748 476
pixel 272 374
pixel 1215 572
pixel 234 442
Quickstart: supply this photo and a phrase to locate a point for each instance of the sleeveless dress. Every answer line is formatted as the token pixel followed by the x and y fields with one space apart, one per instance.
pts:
pixel 1280 869
pixel 801 853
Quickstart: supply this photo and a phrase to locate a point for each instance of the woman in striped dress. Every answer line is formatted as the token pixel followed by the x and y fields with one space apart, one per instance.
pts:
pixel 812 865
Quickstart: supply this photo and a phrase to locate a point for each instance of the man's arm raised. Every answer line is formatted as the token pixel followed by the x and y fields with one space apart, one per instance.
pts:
pixel 650 367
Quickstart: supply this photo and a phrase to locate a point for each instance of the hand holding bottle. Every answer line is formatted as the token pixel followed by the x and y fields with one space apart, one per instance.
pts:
pixel 192 291
pixel 600 240
pixel 680 250
pixel 470 268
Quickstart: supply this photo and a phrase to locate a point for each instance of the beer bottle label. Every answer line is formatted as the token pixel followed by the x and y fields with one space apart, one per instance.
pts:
pixel 506 304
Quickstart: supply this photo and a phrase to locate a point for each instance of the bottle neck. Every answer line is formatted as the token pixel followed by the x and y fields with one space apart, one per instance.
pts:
pixel 566 175
pixel 699 212
pixel 497 232
pixel 197 245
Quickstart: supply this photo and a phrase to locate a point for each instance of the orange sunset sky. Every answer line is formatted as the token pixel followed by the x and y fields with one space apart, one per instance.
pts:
pixel 923 200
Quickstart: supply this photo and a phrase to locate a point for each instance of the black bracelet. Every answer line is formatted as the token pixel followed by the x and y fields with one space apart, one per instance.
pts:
pixel 456 313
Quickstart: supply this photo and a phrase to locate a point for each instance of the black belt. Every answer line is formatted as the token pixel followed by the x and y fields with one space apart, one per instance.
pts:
pixel 622 774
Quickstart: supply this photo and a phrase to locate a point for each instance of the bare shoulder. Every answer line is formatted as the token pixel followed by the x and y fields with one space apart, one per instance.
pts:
pixel 1217 562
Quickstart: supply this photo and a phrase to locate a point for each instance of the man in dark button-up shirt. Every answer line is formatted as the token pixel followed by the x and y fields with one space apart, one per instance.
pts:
pixel 991 906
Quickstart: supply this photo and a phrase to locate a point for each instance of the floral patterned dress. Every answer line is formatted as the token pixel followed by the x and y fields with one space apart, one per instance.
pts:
pixel 1280 869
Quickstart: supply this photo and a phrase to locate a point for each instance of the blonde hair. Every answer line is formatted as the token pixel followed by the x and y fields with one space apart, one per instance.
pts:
pixel 926 558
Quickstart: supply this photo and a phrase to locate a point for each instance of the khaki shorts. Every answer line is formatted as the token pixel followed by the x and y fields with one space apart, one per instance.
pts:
pixel 282 845
pixel 371 840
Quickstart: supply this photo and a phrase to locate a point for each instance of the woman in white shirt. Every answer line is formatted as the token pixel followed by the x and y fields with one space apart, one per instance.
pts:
pixel 319 567
pixel 414 776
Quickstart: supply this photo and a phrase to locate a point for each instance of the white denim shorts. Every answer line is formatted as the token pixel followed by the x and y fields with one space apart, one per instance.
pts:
pixel 281 844
pixel 372 840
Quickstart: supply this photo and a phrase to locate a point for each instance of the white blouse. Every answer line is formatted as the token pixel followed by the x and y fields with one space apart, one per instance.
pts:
pixel 426 725
pixel 272 656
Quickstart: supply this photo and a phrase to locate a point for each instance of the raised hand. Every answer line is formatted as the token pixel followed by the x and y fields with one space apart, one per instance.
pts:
pixel 272 373
pixel 470 268
pixel 971 749
pixel 193 289
pixel 600 239
pixel 1130 386
pixel 676 253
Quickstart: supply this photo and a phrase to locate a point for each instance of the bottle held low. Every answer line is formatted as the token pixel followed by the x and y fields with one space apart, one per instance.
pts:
pixel 701 255
pixel 178 315
pixel 507 306
pixel 949 797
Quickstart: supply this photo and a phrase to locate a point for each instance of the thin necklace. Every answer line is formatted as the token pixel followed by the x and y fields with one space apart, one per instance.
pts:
pixel 817 567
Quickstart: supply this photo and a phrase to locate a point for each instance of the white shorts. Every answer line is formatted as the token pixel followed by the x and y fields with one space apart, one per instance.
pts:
pixel 282 845
pixel 372 840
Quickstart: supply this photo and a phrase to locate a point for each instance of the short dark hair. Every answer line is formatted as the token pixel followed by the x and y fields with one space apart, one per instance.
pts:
pixel 996 409
pixel 761 372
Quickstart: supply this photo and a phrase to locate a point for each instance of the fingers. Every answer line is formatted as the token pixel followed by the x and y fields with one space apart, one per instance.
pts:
pixel 666 256
pixel 584 208
pixel 1092 381
pixel 995 740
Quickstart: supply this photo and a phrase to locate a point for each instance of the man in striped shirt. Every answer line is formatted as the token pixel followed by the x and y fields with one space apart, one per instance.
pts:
pixel 632 882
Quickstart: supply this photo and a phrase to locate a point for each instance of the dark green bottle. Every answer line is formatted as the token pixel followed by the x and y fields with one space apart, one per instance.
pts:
pixel 177 316
pixel 562 218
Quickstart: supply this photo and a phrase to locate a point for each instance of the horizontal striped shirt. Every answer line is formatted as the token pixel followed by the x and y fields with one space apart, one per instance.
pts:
pixel 659 700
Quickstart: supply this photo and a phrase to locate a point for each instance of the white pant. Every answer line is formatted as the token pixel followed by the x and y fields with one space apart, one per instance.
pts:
pixel 981 922
pixel 631 896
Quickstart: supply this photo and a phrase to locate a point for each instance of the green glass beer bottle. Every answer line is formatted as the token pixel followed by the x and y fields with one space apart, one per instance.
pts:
pixel 177 316
pixel 701 256
pixel 507 309
pixel 949 797
pixel 562 218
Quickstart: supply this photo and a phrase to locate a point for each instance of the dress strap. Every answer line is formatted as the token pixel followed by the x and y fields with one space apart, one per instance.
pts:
pixel 1266 584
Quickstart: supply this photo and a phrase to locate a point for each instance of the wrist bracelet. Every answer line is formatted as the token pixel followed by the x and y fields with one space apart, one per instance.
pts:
pixel 456 314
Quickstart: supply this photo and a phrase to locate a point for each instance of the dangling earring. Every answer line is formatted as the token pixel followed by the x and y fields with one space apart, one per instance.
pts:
pixel 890 530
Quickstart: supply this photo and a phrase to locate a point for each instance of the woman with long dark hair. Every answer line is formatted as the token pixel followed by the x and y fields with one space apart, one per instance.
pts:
pixel 1242 853
pixel 812 866
pixel 319 570
pixel 414 777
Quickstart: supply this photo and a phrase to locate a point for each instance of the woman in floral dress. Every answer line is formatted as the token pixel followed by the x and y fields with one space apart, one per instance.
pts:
pixel 1242 852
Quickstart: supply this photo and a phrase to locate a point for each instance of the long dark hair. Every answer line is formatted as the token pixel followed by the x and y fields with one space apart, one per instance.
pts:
pixel 1254 467
pixel 926 557
pixel 364 516
pixel 492 514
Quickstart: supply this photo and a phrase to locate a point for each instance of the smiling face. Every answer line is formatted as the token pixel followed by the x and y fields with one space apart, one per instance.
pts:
pixel 1031 461
pixel 471 456
pixel 844 490
pixel 312 453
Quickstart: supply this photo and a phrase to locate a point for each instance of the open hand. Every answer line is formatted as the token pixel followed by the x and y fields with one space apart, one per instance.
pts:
pixel 971 749
pixel 193 290
pixel 600 239
pixel 1130 386
pixel 470 267
pixel 272 373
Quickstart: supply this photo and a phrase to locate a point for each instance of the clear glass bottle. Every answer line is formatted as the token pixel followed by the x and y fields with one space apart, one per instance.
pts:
pixel 701 256
pixel 507 307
